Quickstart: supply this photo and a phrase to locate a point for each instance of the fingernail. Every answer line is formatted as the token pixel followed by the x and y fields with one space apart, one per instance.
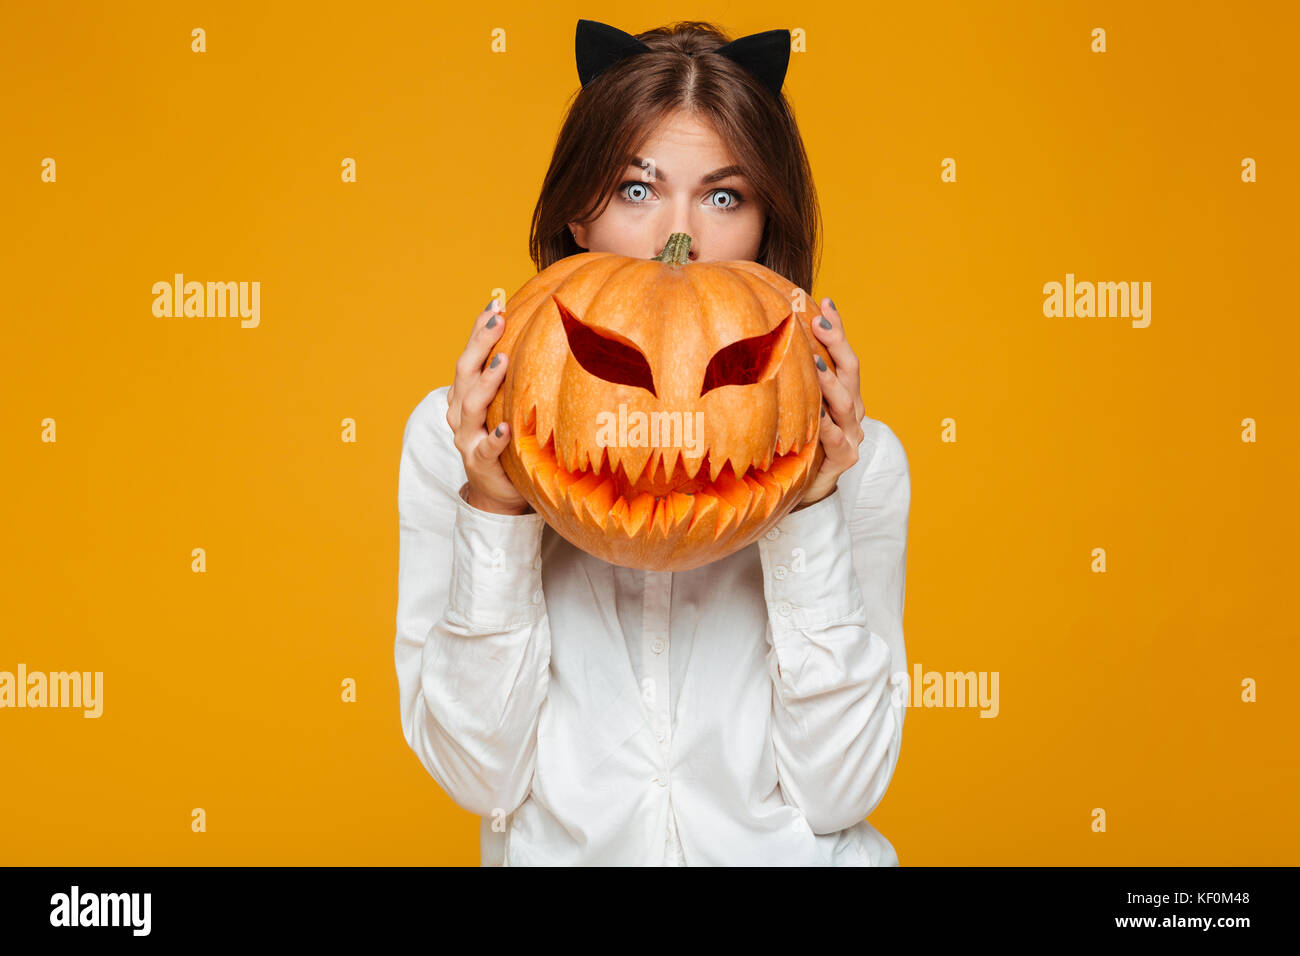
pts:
pixel 820 364
pixel 826 323
pixel 500 429
pixel 823 411
pixel 497 358
pixel 491 322
pixel 491 303
pixel 832 302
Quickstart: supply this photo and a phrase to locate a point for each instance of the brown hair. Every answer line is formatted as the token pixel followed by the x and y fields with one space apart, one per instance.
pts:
pixel 612 115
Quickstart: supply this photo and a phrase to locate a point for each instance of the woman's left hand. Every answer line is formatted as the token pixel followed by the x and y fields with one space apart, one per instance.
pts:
pixel 841 428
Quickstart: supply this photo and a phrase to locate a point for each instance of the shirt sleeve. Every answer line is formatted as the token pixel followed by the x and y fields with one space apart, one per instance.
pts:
pixel 473 642
pixel 833 579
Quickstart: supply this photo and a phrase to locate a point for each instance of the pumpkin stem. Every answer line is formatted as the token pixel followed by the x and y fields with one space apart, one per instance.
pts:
pixel 677 250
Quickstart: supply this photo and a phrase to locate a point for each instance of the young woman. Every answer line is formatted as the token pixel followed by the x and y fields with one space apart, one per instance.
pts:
pixel 741 713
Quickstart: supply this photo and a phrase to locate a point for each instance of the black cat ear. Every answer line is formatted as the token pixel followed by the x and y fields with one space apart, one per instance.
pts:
pixel 598 46
pixel 766 55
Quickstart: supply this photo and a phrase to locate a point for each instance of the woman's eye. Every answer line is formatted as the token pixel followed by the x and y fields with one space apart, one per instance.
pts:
pixel 642 191
pixel 733 199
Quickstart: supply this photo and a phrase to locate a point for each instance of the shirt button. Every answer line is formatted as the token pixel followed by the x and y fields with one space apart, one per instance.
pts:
pixel 657 647
pixel 537 596
pixel 784 609
pixel 659 737
pixel 781 571
pixel 658 778
pixel 773 534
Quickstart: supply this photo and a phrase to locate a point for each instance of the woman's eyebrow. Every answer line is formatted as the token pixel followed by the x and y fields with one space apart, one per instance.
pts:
pixel 712 177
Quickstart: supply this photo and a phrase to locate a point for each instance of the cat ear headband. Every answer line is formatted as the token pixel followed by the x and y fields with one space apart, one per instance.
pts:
pixel 599 46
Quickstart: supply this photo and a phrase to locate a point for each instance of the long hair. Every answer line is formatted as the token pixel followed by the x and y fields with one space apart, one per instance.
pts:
pixel 609 118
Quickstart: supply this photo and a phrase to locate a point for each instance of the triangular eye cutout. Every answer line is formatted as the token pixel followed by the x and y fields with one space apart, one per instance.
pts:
pixel 748 361
pixel 606 354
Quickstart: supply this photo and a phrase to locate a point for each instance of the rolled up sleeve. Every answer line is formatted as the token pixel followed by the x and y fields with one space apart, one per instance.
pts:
pixel 837 725
pixel 473 642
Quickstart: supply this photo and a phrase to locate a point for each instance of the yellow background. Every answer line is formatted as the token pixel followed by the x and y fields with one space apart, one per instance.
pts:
pixel 222 690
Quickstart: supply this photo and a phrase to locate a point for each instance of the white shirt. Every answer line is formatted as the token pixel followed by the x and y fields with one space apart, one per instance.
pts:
pixel 740 713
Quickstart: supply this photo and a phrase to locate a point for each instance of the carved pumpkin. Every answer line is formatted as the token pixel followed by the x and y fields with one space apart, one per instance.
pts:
pixel 663 413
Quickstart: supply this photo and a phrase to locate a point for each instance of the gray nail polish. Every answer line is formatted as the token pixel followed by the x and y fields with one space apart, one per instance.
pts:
pixel 826 323
pixel 495 359
pixel 491 302
pixel 820 364
pixel 823 411
pixel 832 302
pixel 492 322
pixel 498 429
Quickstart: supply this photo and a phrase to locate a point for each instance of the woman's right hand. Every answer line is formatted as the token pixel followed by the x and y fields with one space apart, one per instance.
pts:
pixel 467 401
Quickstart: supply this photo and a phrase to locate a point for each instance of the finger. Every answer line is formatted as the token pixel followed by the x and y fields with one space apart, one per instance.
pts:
pixel 473 410
pixel 832 439
pixel 488 450
pixel 829 329
pixel 839 443
pixel 489 326
pixel 838 398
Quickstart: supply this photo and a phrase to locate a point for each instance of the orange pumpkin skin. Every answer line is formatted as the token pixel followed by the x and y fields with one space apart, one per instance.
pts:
pixel 659 503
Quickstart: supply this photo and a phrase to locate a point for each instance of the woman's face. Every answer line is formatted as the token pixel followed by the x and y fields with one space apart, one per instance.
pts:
pixel 677 189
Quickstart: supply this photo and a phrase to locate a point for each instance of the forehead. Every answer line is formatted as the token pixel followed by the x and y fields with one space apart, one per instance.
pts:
pixel 686 144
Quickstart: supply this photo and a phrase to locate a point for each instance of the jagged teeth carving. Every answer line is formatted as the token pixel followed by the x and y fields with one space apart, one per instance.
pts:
pixel 715 467
pixel 739 465
pixel 636 461
pixel 543 425
pixel 635 513
pixel 742 495
pixel 600 501
pixel 660 523
pixel 745 500
pixel 771 489
pixel 581 492
pixel 668 459
pixel 706 509
pixel 651 465
pixel 692 465
pixel 763 503
pixel 613 457
pixel 663 470
pixel 681 506
pixel 544 472
pixel 726 517
pixel 618 514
